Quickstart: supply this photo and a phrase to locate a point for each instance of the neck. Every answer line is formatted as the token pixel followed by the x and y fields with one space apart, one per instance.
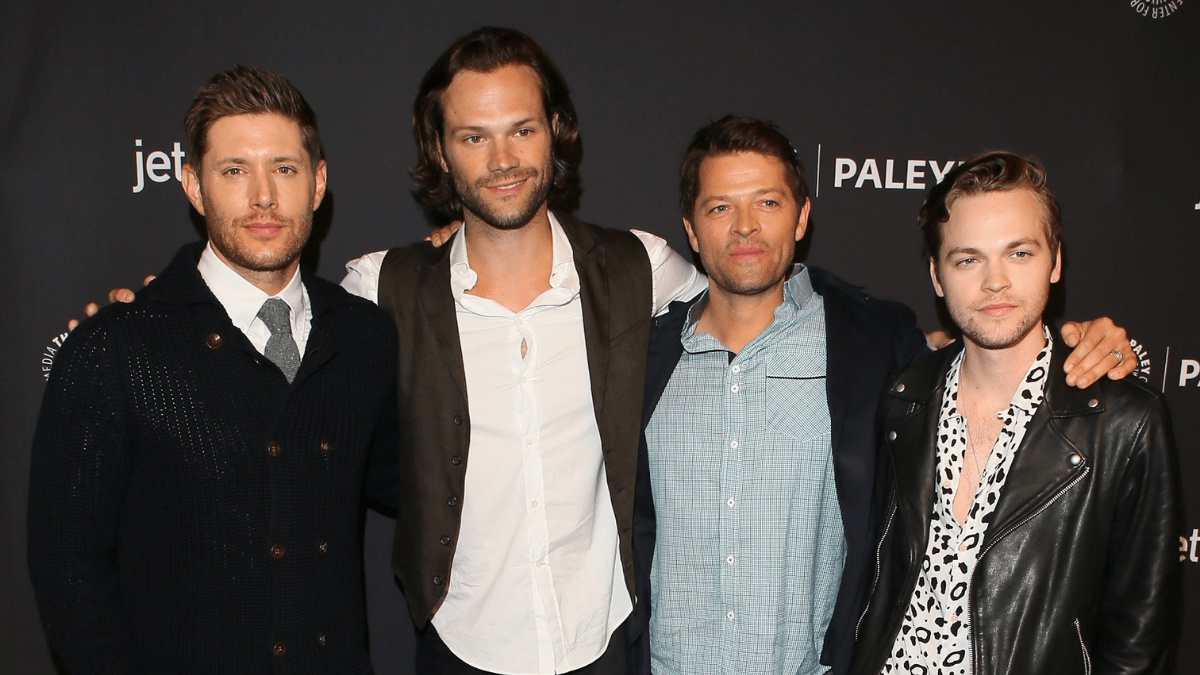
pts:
pixel 994 374
pixel 735 319
pixel 512 265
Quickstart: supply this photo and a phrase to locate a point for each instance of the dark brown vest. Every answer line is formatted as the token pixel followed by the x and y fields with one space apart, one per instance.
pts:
pixel 435 428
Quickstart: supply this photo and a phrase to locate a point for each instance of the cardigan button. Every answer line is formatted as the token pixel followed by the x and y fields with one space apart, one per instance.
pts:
pixel 1074 459
pixel 324 447
pixel 456 460
pixel 453 501
pixel 277 551
pixel 458 419
pixel 279 649
pixel 445 541
pixel 900 387
pixel 437 581
pixel 273 448
pixel 213 341
pixel 322 547
pixel 891 435
pixel 321 639
pixel 1093 403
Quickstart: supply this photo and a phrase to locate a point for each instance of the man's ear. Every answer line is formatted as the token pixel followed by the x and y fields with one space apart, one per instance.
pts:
pixel 319 187
pixel 687 225
pixel 1056 273
pixel 191 187
pixel 937 285
pixel 802 222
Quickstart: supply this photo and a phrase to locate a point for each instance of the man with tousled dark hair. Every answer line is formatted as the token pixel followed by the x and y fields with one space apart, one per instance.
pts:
pixel 1029 526
pixel 753 526
pixel 194 501
pixel 523 346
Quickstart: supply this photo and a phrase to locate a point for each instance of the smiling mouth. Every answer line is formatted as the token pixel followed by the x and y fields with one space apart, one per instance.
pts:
pixel 507 188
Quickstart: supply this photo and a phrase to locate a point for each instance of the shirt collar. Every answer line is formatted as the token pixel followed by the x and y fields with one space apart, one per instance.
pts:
pixel 563 274
pixel 797 291
pixel 241 299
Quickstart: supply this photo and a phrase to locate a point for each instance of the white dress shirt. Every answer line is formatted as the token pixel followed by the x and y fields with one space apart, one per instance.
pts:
pixel 536 586
pixel 242 300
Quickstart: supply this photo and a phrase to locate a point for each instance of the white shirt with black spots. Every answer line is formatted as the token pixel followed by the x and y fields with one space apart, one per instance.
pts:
pixel 935 638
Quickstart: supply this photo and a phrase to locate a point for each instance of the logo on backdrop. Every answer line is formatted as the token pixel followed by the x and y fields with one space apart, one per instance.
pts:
pixel 1187 547
pixel 157 165
pixel 1155 9
pixel 1177 371
pixel 50 352
pixel 885 173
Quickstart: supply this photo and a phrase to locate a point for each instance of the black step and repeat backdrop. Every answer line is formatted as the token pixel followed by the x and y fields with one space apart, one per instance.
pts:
pixel 879 99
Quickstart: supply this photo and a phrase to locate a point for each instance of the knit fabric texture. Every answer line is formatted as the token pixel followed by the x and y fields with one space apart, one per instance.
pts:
pixel 191 511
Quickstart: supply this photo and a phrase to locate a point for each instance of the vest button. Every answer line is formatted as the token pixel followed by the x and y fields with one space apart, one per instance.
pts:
pixel 279 649
pixel 273 448
pixel 456 460
pixel 437 581
pixel 458 419
pixel 453 501
pixel 213 341
pixel 445 541
pixel 277 551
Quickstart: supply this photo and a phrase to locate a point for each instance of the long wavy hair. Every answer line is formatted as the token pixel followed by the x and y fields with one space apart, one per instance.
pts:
pixel 483 51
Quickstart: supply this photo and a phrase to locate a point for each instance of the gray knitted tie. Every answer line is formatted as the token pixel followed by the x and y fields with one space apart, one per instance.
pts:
pixel 281 348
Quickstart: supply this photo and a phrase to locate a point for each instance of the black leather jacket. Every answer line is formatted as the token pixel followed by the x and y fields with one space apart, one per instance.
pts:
pixel 1078 572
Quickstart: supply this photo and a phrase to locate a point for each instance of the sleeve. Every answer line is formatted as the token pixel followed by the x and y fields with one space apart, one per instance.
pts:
pixel 362 276
pixel 78 475
pixel 383 466
pixel 909 343
pixel 673 277
pixel 1140 609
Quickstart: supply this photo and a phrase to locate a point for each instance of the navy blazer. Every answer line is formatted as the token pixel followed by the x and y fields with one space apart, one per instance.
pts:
pixel 867 339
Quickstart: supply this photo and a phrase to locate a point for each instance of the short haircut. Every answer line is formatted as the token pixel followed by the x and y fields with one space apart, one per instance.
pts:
pixel 484 51
pixel 731 135
pixel 992 171
pixel 248 90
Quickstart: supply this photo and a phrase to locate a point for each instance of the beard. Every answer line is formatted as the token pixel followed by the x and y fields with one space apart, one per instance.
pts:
pixel 223 234
pixel 471 195
pixel 997 337
pixel 748 281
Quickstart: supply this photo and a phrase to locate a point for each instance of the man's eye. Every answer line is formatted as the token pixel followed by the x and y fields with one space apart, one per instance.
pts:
pixel 524 132
pixel 233 171
pixel 473 139
pixel 287 169
pixel 719 208
pixel 1021 254
pixel 770 202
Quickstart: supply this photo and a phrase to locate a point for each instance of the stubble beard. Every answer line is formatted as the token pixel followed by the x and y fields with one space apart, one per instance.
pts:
pixel 974 330
pixel 750 283
pixel 222 235
pixel 471 196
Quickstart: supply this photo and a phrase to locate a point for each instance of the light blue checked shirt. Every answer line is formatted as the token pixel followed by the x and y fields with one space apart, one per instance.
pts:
pixel 749 548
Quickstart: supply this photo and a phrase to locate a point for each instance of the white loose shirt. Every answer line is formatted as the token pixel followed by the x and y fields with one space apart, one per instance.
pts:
pixel 536 585
pixel 242 300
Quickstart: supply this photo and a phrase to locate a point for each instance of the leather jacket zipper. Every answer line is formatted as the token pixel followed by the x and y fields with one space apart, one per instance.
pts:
pixel 875 581
pixel 971 586
pixel 1087 658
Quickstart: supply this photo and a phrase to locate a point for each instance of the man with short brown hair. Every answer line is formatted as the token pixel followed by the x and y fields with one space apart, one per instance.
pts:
pixel 195 484
pixel 1029 526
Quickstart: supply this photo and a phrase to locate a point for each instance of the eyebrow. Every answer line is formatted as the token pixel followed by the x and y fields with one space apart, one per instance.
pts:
pixel 757 193
pixel 242 160
pixel 518 123
pixel 1016 243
